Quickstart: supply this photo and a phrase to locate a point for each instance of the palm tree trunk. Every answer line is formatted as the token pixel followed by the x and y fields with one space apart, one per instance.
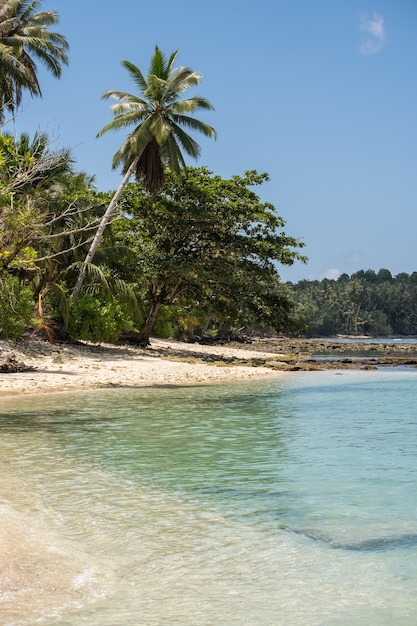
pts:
pixel 103 223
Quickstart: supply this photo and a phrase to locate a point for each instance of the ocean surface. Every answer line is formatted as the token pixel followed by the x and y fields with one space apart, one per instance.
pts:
pixel 282 502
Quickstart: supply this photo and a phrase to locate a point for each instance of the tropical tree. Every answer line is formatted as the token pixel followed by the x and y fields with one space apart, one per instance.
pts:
pixel 369 302
pixel 28 168
pixel 158 138
pixel 208 243
pixel 48 217
pixel 29 164
pixel 24 38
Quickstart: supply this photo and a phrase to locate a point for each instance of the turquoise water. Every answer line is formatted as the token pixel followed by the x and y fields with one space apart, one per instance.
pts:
pixel 291 501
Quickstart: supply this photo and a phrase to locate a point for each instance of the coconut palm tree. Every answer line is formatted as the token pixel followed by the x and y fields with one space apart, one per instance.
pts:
pixel 24 37
pixel 158 137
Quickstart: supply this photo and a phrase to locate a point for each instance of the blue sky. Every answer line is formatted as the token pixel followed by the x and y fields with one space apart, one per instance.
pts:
pixel 321 95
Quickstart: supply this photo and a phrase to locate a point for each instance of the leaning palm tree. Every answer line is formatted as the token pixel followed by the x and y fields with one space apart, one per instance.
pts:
pixel 24 37
pixel 158 137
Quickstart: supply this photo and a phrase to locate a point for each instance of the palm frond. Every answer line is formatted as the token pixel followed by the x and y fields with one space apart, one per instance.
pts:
pixel 188 144
pixel 157 117
pixel 190 105
pixel 173 156
pixel 161 66
pixel 24 36
pixel 171 61
pixel 180 81
pixel 121 121
pixel 133 146
pixel 136 75
pixel 194 124
pixel 60 297
pixel 94 274
pixel 125 293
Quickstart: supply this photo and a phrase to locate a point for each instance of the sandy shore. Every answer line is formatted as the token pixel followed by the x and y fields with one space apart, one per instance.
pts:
pixel 67 367
pixel 70 368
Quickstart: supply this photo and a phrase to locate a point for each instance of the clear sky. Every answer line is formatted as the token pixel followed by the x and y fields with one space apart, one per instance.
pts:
pixel 320 94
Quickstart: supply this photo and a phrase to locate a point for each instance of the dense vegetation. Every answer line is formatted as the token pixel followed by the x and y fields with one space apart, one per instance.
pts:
pixel 206 248
pixel 367 302
pixel 181 251
pixel 198 256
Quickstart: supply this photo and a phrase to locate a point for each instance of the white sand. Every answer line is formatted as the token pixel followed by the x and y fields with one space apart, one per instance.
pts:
pixel 71 368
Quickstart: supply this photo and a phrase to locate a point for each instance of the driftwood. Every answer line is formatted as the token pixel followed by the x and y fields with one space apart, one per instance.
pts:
pixel 10 365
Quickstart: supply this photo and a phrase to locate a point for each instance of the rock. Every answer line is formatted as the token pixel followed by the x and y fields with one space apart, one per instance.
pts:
pixel 133 338
pixel 10 365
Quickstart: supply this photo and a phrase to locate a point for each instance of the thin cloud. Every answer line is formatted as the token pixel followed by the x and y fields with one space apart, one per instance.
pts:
pixel 332 273
pixel 376 36
pixel 355 257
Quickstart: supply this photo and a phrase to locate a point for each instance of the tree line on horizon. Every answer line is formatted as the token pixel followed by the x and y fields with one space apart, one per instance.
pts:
pixel 366 303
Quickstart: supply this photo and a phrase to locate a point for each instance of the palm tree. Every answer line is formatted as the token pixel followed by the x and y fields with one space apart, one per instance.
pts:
pixel 158 137
pixel 25 35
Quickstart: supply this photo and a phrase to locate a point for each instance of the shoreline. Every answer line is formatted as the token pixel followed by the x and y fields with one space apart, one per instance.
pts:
pixel 46 368
pixel 67 368
pixel 45 568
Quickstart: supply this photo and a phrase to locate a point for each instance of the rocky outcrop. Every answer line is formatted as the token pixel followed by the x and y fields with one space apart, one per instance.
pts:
pixel 281 354
pixel 317 354
pixel 9 364
pixel 312 347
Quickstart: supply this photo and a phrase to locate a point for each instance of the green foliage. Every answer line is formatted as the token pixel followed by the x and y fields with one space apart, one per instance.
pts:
pixel 166 324
pixel 25 36
pixel 210 244
pixel 159 115
pixel 28 172
pixel 47 215
pixel 368 302
pixel 53 304
pixel 16 307
pixel 96 319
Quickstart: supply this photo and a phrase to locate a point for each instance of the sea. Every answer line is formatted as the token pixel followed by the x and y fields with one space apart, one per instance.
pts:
pixel 288 501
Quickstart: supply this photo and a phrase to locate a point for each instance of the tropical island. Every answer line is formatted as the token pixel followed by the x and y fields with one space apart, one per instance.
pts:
pixel 139 485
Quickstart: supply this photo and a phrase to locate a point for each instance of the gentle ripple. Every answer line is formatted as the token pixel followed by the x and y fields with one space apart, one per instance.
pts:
pixel 283 502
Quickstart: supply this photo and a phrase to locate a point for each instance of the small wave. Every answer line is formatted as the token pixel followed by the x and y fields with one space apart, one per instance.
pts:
pixel 388 542
pixel 391 542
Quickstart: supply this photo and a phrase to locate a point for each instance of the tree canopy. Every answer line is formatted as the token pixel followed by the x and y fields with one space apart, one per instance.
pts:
pixel 367 302
pixel 158 136
pixel 209 243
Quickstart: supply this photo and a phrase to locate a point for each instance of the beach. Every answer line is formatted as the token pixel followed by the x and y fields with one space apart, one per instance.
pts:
pixel 66 367
pixel 166 469
pixel 70 368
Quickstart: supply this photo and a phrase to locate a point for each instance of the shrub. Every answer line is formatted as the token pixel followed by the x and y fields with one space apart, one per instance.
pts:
pixel 165 324
pixel 16 307
pixel 94 318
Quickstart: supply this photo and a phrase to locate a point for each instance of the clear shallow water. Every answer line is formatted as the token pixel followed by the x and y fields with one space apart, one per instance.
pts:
pixel 283 502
